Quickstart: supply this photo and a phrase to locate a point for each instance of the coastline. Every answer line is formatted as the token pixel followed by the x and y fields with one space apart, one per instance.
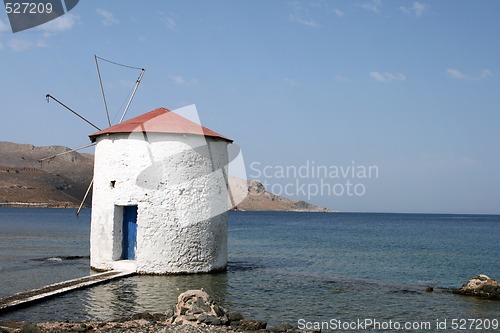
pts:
pixel 143 322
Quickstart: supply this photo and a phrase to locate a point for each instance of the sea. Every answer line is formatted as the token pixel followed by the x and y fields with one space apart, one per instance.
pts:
pixel 332 271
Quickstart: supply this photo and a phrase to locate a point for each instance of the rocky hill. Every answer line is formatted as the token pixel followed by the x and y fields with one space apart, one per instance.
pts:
pixel 63 181
pixel 59 182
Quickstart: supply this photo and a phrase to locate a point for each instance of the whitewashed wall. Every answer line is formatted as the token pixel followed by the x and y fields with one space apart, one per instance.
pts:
pixel 178 184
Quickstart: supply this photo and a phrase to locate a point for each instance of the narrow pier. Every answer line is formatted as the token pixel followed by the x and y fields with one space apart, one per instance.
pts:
pixel 36 295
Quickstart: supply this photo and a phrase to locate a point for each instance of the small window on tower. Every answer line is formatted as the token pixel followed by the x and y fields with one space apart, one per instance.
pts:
pixel 112 183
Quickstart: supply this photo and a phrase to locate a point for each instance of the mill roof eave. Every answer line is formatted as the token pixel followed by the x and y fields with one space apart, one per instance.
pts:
pixel 160 120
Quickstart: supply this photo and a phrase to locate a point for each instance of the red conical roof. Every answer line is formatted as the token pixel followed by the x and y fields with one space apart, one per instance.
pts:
pixel 160 120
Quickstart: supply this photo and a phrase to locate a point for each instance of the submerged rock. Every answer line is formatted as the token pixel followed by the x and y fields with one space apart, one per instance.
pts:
pixel 480 286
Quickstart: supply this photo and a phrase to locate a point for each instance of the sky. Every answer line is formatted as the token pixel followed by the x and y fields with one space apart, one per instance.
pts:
pixel 359 106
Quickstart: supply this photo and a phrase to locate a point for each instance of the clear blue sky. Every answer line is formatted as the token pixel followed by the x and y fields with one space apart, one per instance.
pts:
pixel 411 87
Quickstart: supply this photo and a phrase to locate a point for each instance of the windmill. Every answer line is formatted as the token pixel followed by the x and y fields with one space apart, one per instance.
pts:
pixel 129 101
pixel 160 192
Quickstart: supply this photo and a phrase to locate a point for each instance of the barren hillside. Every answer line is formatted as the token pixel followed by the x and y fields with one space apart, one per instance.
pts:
pixel 59 182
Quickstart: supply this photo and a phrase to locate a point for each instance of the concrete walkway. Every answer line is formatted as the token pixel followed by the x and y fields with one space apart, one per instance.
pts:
pixel 37 295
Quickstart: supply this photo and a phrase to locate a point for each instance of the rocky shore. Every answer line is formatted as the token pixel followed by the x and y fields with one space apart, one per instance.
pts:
pixel 195 311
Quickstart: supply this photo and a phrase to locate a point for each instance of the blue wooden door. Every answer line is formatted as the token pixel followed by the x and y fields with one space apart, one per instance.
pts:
pixel 129 232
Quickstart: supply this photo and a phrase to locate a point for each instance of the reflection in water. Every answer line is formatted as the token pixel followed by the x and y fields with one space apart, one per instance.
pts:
pixel 147 293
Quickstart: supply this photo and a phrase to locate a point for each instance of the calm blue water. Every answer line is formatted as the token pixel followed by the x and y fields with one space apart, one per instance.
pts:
pixel 283 267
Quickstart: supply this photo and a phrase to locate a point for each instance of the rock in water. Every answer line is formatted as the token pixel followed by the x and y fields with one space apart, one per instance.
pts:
pixel 196 306
pixel 481 286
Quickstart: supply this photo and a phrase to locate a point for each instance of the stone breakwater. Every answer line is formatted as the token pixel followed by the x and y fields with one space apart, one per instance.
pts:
pixel 195 311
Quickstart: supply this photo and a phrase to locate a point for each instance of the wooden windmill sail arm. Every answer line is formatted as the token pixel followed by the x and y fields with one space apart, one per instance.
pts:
pixel 66 152
pixel 102 89
pixel 133 94
pixel 85 197
pixel 48 96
